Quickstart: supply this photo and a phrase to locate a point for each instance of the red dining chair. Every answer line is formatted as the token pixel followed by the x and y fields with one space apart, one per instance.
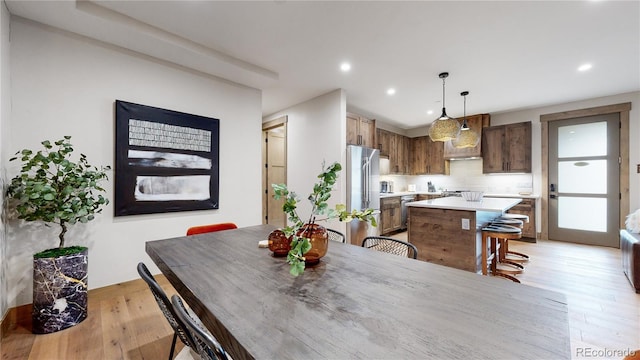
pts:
pixel 210 228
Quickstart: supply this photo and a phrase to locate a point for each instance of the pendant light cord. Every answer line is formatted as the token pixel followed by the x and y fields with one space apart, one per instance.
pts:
pixel 443 94
pixel 465 109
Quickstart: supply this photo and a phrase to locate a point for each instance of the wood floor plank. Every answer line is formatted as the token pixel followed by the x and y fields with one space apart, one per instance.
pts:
pixel 17 344
pixel 154 343
pixel 117 330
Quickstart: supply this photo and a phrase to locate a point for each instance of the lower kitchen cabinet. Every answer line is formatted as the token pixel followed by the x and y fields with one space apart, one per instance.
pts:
pixel 527 207
pixel 426 197
pixel 391 215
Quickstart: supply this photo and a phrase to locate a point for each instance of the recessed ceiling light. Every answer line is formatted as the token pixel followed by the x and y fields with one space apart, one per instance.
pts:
pixel 429 112
pixel 345 67
pixel 584 67
pixel 391 91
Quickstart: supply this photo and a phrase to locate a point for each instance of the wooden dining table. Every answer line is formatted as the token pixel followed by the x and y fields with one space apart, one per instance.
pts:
pixel 357 303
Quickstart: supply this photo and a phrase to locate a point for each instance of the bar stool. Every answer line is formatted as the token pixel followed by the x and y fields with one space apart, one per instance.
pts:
pixel 494 232
pixel 503 244
pixel 519 257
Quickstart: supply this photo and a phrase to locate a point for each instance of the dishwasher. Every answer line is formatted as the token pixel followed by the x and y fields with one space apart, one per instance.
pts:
pixel 403 209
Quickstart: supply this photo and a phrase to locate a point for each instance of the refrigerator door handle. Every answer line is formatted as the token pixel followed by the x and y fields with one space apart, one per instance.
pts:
pixel 367 184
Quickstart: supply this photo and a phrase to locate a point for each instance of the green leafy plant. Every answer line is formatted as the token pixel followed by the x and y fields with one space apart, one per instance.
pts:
pixel 53 189
pixel 318 198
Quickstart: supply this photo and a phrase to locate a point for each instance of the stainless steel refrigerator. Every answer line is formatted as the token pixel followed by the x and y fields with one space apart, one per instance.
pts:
pixel 363 190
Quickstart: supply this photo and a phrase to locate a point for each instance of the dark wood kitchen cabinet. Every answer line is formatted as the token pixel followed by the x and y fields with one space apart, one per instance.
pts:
pixel 399 154
pixel 527 207
pixel 397 148
pixel 384 142
pixel 420 197
pixel 476 123
pixel 507 148
pixel 427 157
pixel 390 215
pixel 361 130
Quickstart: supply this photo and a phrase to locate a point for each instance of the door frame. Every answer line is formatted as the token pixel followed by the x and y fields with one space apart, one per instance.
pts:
pixel 266 126
pixel 623 110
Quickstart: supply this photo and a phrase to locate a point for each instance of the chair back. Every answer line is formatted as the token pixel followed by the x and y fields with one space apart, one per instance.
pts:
pixel 205 344
pixel 165 306
pixel 336 235
pixel 210 228
pixel 390 245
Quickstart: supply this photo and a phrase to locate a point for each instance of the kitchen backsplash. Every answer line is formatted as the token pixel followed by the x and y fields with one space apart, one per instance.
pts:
pixel 466 175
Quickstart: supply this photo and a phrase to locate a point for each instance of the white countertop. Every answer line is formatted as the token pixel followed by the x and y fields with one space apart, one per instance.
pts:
pixel 521 196
pixel 403 193
pixel 496 195
pixel 488 204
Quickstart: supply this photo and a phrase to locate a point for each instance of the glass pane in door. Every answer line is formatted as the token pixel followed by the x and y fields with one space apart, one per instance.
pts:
pixel 588 214
pixel 584 176
pixel 582 140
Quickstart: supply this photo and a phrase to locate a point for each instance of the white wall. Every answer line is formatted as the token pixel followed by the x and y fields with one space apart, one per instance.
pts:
pixel 63 84
pixel 316 132
pixel 5 108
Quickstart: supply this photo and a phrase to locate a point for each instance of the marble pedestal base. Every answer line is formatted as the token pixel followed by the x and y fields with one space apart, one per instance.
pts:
pixel 59 292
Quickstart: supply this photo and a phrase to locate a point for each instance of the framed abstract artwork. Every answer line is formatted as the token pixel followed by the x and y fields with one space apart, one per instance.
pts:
pixel 166 160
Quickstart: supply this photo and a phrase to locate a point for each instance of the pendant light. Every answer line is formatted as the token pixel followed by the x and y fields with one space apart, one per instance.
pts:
pixel 444 128
pixel 467 137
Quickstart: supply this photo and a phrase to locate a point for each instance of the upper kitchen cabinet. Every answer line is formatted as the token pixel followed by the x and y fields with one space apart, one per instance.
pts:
pixel 427 157
pixel 384 142
pixel 507 148
pixel 396 148
pixel 399 154
pixel 361 131
pixel 476 123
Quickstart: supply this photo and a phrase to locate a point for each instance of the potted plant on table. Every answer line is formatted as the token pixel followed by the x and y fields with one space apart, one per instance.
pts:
pixel 307 235
pixel 55 190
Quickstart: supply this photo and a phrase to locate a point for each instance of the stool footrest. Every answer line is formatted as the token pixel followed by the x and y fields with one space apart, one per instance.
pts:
pixel 524 257
pixel 507 276
pixel 512 263
pixel 512 271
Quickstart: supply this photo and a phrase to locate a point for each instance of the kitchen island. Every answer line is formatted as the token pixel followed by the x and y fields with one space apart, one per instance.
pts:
pixel 447 231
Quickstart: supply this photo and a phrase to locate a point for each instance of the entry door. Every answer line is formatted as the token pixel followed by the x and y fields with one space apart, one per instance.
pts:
pixel 275 173
pixel 584 171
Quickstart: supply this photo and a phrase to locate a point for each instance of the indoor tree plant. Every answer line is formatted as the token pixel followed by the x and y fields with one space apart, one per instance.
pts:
pixel 55 190
pixel 300 231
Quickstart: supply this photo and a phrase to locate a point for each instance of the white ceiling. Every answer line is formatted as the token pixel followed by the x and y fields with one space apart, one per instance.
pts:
pixel 508 54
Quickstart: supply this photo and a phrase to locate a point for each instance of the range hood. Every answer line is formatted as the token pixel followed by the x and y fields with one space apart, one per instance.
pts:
pixel 477 123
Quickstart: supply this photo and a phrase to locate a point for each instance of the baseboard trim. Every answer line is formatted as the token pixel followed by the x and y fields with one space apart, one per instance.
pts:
pixel 16 315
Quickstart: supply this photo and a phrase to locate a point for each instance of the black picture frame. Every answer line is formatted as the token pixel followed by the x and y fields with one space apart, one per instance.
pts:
pixel 165 160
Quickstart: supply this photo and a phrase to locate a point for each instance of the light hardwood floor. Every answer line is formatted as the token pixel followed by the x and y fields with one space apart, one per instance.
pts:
pixel 125 323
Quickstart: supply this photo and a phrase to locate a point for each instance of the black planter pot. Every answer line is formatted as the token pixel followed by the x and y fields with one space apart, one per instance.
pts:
pixel 59 291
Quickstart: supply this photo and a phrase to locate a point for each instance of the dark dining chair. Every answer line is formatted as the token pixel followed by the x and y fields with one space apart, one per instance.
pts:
pixel 206 344
pixel 390 245
pixel 179 328
pixel 336 235
pixel 211 228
